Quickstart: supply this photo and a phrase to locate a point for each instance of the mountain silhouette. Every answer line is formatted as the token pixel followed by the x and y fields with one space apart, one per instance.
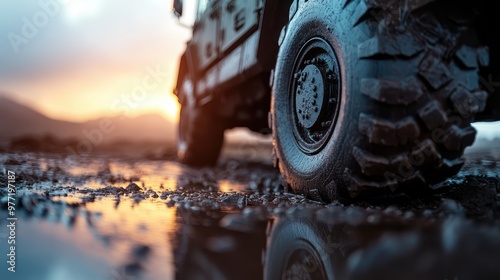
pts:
pixel 17 120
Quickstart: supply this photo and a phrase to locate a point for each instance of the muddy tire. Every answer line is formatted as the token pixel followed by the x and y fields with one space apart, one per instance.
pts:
pixel 398 88
pixel 200 133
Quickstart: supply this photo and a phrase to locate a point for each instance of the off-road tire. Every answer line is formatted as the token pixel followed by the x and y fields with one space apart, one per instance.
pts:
pixel 409 79
pixel 298 249
pixel 200 131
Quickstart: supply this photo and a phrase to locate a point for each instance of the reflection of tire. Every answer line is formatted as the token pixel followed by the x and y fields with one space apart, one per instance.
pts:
pixel 297 250
pixel 200 134
pixel 375 98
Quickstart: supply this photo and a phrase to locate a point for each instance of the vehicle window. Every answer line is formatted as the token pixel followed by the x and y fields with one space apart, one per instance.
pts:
pixel 202 6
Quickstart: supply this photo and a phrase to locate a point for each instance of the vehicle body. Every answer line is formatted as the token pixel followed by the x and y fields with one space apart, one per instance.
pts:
pixel 389 88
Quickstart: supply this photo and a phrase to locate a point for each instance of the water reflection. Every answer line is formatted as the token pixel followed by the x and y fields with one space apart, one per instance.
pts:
pixel 204 250
pixel 98 219
pixel 300 248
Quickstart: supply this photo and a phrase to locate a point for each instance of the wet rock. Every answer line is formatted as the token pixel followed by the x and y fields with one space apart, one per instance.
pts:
pixel 258 213
pixel 177 198
pixel 133 187
pixel 302 212
pixel 355 215
pixel 314 195
pixel 185 204
pixel 152 193
pixel 253 186
pixel 164 195
pixel 394 211
pixel 89 198
pixel 236 222
pixel 14 161
pixel 331 215
pixel 235 200
pixel 170 203
pixel 279 211
pixel 427 213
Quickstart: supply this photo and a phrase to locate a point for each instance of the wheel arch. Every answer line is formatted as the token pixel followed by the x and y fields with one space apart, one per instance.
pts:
pixel 186 67
pixel 274 17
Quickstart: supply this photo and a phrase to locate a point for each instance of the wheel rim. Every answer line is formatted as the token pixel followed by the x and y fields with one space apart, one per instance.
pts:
pixel 304 263
pixel 314 95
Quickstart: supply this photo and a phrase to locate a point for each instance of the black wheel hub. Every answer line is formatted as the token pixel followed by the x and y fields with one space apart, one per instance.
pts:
pixel 309 96
pixel 314 97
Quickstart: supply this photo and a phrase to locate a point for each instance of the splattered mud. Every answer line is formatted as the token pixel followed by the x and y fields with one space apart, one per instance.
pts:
pixel 104 218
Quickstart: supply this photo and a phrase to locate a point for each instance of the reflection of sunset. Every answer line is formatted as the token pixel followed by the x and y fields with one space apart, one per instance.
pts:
pixel 149 222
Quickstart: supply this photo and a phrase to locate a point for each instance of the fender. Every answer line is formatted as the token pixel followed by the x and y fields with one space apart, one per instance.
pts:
pixel 274 18
pixel 186 66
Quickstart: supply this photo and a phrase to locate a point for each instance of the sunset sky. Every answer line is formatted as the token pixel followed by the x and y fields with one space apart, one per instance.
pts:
pixel 84 59
pixel 81 59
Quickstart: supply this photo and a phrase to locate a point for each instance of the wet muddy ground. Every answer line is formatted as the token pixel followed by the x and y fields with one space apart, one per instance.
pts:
pixel 102 217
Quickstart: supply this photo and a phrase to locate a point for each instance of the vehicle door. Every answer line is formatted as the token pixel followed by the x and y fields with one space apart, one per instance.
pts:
pixel 206 36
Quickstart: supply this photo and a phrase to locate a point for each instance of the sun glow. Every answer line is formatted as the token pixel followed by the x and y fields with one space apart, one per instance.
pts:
pixel 172 108
pixel 78 10
pixel 90 61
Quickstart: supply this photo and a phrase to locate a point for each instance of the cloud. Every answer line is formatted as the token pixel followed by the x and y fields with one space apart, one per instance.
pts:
pixel 123 34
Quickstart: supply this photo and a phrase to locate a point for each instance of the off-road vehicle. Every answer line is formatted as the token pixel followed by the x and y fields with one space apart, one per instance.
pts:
pixel 363 97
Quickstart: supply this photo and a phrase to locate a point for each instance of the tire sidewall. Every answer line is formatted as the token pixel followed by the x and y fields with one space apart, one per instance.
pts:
pixel 332 23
